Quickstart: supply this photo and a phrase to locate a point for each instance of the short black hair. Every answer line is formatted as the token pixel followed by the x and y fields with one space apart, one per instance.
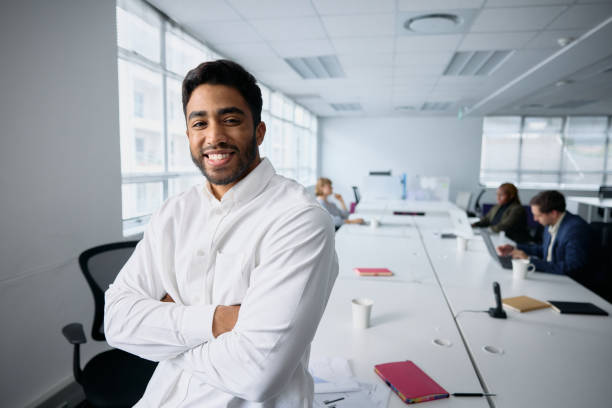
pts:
pixel 548 201
pixel 228 73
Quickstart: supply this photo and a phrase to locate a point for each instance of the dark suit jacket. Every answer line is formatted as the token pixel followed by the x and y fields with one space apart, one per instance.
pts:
pixel 513 222
pixel 570 252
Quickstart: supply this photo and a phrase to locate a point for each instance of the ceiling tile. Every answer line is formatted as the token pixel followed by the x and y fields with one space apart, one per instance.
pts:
pixel 246 50
pixel 419 70
pixel 273 8
pixel 362 45
pixel 423 58
pixel 496 41
pixel 366 59
pixel 289 29
pixel 548 39
pixel 304 48
pixel 426 5
pixel 359 25
pixel 344 7
pixel 519 3
pixel 196 11
pixel 515 19
pixel 427 43
pixel 227 32
pixel 582 16
pixel 415 80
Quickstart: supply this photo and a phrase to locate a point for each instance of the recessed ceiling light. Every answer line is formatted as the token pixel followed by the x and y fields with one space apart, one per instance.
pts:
pixel 433 23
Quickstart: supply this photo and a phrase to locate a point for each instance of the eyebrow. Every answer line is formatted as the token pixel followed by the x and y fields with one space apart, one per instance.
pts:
pixel 222 111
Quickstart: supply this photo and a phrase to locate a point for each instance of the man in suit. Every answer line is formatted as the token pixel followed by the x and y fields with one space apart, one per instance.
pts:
pixel 565 246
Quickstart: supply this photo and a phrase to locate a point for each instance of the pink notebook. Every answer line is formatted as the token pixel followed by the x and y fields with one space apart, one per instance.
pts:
pixel 373 271
pixel 409 382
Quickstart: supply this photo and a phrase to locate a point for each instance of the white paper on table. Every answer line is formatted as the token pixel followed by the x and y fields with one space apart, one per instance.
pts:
pixel 332 374
pixel 368 396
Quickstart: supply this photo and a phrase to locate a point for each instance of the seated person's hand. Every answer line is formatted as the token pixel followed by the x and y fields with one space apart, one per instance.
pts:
pixel 505 250
pixel 355 221
pixel 224 319
pixel 338 197
pixel 518 254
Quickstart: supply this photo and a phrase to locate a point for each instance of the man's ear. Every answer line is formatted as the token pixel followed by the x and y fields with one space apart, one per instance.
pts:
pixel 260 132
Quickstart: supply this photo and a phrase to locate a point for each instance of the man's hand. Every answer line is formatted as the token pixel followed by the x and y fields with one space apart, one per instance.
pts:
pixel 355 221
pixel 167 298
pixel 224 319
pixel 505 250
pixel 518 254
pixel 339 197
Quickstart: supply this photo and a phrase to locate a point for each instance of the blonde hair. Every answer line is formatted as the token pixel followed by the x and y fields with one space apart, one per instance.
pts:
pixel 321 182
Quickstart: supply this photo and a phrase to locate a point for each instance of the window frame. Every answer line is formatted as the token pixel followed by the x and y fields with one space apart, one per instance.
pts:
pixel 135 225
pixel 520 172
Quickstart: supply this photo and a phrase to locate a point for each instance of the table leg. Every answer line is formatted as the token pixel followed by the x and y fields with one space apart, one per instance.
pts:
pixel 589 213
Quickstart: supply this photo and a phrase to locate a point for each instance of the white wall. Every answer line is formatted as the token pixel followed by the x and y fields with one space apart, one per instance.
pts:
pixel 428 146
pixel 60 181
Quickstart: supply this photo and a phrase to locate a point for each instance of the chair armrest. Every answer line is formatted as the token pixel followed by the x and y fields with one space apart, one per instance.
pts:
pixel 74 333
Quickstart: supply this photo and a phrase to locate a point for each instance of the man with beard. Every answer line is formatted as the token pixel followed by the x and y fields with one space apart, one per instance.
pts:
pixel 231 278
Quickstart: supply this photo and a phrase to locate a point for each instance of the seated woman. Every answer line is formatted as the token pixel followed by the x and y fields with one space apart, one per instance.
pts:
pixel 323 189
pixel 508 215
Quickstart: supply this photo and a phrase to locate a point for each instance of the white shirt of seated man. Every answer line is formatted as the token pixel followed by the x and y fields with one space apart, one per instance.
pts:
pixel 229 283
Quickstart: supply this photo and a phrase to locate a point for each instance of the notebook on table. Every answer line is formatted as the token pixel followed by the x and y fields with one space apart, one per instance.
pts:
pixel 409 382
pixel 524 303
pixel 373 271
pixel 576 308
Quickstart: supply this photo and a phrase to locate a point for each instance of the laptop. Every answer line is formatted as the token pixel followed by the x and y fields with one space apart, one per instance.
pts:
pixel 461 225
pixel 505 261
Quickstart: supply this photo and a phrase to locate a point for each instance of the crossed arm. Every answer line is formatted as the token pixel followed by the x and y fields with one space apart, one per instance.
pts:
pixel 251 350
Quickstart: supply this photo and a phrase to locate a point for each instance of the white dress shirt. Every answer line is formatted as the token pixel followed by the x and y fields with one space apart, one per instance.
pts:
pixel 266 245
pixel 552 230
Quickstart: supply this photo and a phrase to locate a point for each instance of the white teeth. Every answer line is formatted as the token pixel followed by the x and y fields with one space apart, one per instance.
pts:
pixel 218 156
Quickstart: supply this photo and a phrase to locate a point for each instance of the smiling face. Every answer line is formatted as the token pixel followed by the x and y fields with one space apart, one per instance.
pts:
pixel 222 138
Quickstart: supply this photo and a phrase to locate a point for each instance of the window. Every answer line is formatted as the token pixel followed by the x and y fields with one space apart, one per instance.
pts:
pixel 154 54
pixel 571 152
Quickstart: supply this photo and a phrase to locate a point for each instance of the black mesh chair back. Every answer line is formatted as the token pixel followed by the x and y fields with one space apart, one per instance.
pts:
pixel 100 265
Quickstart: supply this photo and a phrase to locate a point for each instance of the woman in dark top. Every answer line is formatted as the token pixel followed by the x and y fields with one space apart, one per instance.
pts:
pixel 508 215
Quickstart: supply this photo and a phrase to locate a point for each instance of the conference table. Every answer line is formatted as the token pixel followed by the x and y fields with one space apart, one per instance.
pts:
pixel 432 311
pixel 593 202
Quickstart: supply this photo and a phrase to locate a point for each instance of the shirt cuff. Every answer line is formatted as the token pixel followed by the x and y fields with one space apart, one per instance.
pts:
pixel 196 326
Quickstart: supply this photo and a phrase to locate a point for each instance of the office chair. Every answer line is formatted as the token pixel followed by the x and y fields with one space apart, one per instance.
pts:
pixel 112 378
pixel 478 210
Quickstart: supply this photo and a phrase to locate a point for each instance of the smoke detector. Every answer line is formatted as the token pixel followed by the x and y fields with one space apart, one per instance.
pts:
pixel 433 23
pixel 564 41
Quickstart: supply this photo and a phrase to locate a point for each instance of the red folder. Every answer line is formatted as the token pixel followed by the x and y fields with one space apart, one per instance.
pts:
pixel 373 271
pixel 409 382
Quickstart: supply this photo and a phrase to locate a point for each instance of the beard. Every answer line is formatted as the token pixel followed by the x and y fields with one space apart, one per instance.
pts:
pixel 245 161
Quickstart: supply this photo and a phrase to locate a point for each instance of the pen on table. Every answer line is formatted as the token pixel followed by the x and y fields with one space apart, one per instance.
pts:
pixel 472 394
pixel 330 401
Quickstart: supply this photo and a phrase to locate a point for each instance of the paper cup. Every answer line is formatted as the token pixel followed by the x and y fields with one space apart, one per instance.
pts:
pixel 374 223
pixel 362 308
pixel 461 243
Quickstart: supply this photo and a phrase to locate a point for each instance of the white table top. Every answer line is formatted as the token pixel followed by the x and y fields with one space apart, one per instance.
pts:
pixel 548 359
pixel 594 201
pixel 406 320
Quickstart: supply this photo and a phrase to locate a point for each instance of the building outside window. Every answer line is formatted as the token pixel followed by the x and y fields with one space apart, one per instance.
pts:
pixel 555 152
pixel 154 55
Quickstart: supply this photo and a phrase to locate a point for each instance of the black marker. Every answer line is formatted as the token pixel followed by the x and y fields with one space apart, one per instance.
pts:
pixel 330 401
pixel 472 394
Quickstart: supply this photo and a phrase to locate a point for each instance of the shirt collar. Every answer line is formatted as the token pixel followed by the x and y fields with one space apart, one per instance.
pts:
pixel 247 188
pixel 554 228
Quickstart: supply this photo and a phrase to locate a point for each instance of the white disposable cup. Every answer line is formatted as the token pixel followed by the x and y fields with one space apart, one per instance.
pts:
pixel 362 308
pixel 521 268
pixel 374 223
pixel 461 243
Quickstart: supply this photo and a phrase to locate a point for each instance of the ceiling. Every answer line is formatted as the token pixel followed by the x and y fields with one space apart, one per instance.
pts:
pixel 389 70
